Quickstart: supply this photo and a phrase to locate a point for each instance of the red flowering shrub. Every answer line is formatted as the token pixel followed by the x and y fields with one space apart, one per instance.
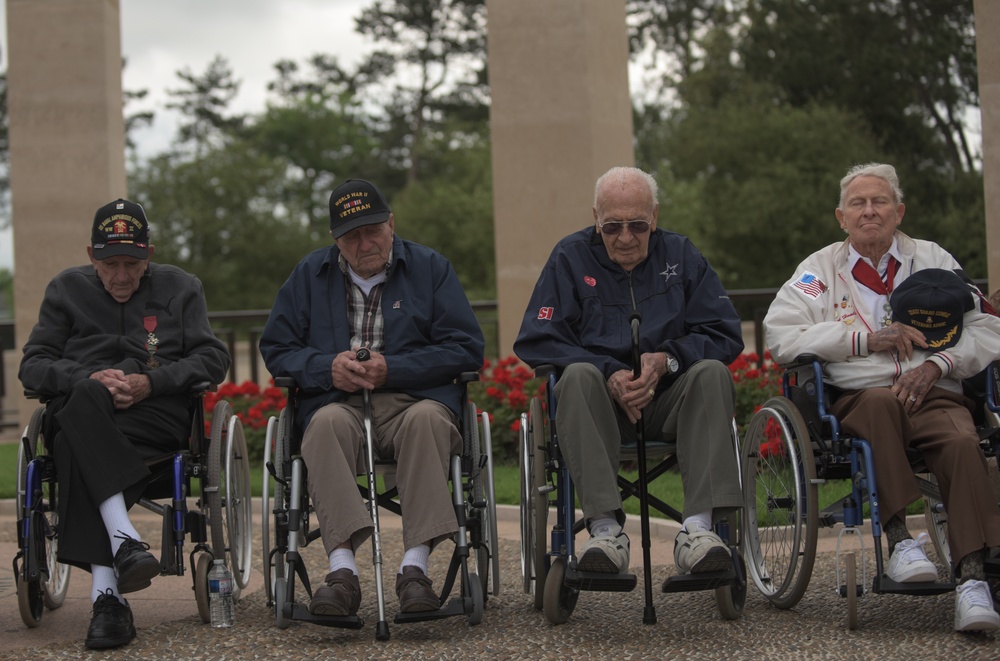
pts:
pixel 504 391
pixel 253 406
pixel 756 381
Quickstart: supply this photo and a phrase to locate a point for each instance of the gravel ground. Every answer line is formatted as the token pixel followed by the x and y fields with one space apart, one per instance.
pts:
pixel 604 625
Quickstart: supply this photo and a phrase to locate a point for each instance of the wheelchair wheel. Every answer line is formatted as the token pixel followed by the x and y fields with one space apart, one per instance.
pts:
pixel 229 498
pixel 780 495
pixel 559 600
pixel 731 599
pixel 201 567
pixel 937 525
pixel 478 598
pixel 534 504
pixel 49 591
pixel 482 507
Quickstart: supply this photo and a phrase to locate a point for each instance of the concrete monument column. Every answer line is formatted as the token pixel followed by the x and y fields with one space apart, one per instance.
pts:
pixel 560 117
pixel 67 139
pixel 988 56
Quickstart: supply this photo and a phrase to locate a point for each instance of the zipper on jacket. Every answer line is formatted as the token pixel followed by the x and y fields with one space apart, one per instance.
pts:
pixel 631 293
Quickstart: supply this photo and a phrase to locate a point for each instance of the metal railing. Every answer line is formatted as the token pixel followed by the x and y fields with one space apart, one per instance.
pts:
pixel 235 325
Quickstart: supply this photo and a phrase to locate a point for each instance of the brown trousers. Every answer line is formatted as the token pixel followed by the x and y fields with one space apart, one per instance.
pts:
pixel 419 434
pixel 943 430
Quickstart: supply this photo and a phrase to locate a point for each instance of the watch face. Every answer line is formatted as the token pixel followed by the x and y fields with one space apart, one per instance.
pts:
pixel 672 364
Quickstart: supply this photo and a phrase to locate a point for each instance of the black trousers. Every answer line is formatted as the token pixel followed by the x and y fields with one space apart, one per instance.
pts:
pixel 100 451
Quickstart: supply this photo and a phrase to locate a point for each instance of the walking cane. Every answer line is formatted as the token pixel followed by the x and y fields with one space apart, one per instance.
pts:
pixel 649 612
pixel 382 626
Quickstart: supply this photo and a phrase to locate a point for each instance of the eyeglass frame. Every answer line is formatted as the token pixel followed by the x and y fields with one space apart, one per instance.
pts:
pixel 620 225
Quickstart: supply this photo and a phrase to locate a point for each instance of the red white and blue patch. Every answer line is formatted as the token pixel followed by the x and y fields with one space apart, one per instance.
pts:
pixel 810 285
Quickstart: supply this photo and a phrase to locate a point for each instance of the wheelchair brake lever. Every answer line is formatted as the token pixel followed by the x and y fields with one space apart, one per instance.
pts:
pixel 270 469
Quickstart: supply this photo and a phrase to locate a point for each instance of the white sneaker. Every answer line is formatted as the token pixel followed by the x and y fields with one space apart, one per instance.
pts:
pixel 909 562
pixel 698 551
pixel 605 554
pixel 974 607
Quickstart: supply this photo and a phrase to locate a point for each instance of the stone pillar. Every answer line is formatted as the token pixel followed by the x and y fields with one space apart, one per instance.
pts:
pixel 560 117
pixel 67 139
pixel 988 56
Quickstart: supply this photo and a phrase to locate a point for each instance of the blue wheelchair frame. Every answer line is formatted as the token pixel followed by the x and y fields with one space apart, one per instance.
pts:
pixel 42 581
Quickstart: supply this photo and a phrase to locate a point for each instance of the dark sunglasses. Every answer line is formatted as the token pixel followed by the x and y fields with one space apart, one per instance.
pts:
pixel 615 227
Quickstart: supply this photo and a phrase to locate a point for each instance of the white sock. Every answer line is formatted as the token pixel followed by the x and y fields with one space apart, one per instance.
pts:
pixel 103 579
pixel 416 557
pixel 605 525
pixel 702 521
pixel 116 521
pixel 343 559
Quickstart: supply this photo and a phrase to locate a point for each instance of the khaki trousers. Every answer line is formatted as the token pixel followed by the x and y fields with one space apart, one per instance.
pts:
pixel 943 430
pixel 420 434
pixel 695 413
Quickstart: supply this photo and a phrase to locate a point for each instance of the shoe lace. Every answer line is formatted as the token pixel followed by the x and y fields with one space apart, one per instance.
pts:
pixel 106 601
pixel 976 593
pixel 128 539
pixel 913 552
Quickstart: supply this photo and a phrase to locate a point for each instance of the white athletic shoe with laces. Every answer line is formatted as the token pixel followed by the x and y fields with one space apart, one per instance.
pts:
pixel 910 564
pixel 974 607
pixel 605 554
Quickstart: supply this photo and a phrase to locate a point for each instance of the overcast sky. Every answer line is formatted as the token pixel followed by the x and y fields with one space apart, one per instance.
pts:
pixel 161 37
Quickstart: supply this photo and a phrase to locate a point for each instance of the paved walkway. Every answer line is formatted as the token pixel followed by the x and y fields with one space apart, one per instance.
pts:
pixel 603 625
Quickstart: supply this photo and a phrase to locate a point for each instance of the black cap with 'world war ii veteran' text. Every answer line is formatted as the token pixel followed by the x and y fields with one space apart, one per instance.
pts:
pixel 120 228
pixel 933 301
pixel 356 203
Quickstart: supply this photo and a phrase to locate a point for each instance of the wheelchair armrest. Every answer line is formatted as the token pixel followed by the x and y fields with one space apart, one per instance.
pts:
pixel 545 371
pixel 802 360
pixel 284 382
pixel 204 387
pixel 466 377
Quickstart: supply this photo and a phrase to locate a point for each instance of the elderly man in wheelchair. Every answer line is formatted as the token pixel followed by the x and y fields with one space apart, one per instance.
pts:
pixel 118 346
pixel 377 320
pixel 897 331
pixel 679 388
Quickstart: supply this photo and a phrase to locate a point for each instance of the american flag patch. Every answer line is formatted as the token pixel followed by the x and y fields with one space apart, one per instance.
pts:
pixel 811 285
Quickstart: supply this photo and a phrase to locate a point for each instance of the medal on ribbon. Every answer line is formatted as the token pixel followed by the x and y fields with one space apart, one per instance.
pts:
pixel 149 323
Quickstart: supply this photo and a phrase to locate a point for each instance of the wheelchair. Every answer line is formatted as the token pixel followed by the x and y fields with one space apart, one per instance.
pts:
pixel 549 572
pixel 791 446
pixel 220 525
pixel 475 562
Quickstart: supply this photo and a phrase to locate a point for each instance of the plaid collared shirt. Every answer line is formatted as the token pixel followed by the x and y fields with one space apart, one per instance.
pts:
pixel 364 313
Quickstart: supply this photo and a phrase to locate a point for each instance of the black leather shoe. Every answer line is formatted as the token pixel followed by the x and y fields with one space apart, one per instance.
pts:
pixel 111 625
pixel 135 566
pixel 415 592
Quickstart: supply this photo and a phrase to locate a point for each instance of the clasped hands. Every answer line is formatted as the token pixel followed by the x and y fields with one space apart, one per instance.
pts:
pixel 633 395
pixel 351 375
pixel 126 389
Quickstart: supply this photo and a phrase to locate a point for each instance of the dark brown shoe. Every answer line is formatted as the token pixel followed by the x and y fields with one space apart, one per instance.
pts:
pixel 340 594
pixel 415 592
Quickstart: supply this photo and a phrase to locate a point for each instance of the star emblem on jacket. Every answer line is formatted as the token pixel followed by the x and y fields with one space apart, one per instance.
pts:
pixel 671 271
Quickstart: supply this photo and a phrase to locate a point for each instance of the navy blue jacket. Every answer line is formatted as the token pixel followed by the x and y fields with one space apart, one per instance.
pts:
pixel 579 311
pixel 431 333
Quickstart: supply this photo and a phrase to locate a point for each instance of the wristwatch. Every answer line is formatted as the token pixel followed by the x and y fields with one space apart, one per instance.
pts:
pixel 673 367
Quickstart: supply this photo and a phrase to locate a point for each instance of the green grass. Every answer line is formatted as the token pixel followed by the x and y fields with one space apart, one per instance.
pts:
pixel 506 484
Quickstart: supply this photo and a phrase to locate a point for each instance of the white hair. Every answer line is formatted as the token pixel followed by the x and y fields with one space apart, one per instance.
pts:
pixel 621 174
pixel 885 172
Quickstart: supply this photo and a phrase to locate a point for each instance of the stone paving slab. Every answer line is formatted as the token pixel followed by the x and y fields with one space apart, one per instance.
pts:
pixel 603 625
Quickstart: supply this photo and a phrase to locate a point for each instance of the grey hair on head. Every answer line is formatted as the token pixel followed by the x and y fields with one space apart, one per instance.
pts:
pixel 620 174
pixel 883 171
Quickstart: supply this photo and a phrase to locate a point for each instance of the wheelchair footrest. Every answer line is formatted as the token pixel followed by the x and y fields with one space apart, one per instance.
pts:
pixel 887 585
pixel 300 612
pixel 697 582
pixel 451 609
pixel 593 581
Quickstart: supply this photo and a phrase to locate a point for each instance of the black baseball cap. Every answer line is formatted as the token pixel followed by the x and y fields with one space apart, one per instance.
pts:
pixel 933 301
pixel 120 228
pixel 356 203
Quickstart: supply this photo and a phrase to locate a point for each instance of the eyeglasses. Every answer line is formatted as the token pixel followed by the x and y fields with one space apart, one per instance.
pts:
pixel 615 227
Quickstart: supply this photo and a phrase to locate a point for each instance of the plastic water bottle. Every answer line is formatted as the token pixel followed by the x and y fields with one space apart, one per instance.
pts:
pixel 220 595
